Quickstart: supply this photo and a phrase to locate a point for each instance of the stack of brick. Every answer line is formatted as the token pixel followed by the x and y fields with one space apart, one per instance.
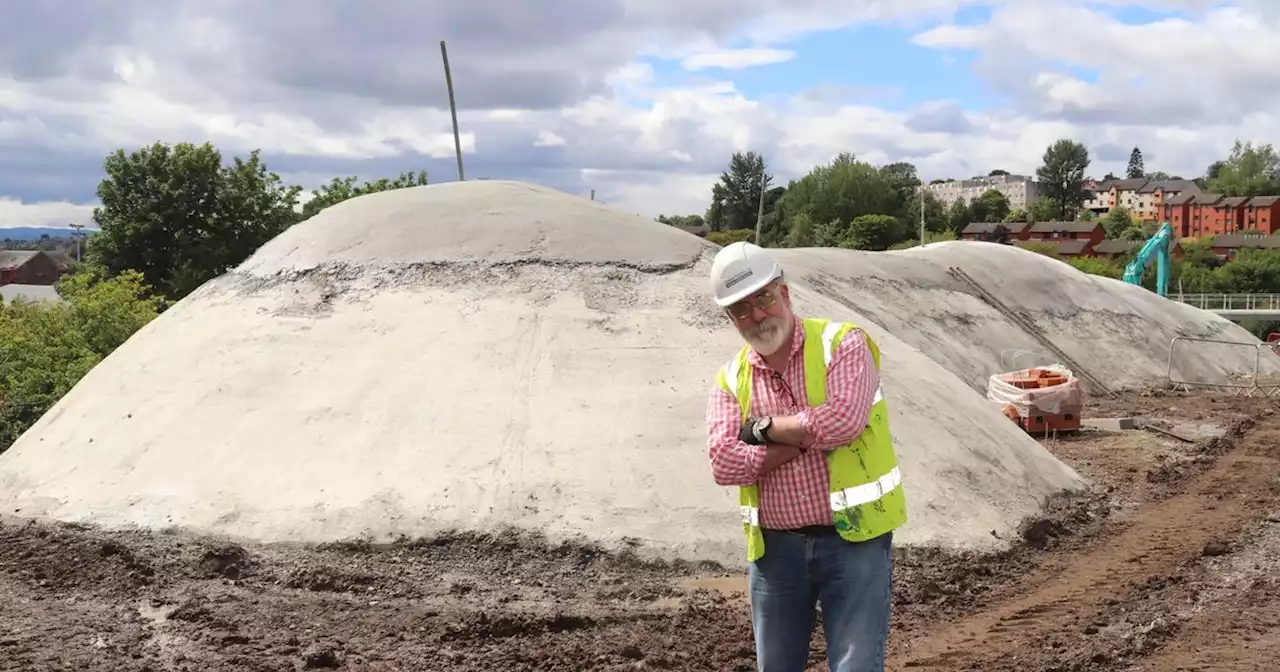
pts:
pixel 1039 400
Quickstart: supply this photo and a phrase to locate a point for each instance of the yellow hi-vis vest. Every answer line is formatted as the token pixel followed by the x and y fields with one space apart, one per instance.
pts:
pixel 867 497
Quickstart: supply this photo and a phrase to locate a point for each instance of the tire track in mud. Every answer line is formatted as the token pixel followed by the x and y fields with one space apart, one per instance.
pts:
pixel 1051 615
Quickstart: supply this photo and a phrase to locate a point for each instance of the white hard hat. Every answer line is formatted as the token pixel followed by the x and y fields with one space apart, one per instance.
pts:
pixel 741 269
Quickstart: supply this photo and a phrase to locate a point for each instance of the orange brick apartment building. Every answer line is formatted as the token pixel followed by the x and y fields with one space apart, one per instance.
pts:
pixel 1200 215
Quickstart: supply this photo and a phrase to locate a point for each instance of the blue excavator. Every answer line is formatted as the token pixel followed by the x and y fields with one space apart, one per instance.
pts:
pixel 1159 247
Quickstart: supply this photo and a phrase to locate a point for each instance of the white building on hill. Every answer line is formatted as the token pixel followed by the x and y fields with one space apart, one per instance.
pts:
pixel 1019 189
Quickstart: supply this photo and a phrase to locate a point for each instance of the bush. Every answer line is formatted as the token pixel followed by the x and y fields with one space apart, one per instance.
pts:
pixel 46 348
pixel 727 236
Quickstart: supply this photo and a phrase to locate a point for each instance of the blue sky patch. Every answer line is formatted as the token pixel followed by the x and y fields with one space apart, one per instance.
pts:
pixel 877 63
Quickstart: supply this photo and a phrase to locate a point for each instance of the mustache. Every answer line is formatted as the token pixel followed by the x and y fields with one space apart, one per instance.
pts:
pixel 765 327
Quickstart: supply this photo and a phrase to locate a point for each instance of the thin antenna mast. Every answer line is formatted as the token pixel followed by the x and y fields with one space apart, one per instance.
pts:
pixel 453 109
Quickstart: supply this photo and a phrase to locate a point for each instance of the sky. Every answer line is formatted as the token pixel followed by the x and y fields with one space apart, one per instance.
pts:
pixel 643 101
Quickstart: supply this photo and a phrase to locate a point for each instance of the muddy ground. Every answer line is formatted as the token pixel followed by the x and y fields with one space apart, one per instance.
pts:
pixel 1172 563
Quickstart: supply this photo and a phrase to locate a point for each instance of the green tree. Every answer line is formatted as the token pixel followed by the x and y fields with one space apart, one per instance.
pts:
pixel 935 214
pixel 1044 209
pixel 726 236
pixel 1119 224
pixel 874 232
pixel 687 221
pixel 1252 271
pixel 1062 176
pixel 959 215
pixel 801 232
pixel 833 233
pixel 929 237
pixel 999 234
pixel 341 189
pixel 735 198
pixel 839 191
pixel 46 348
pixel 180 217
pixel 1102 267
pixel 1018 215
pixel 903 180
pixel 1136 168
pixel 992 206
pixel 1247 171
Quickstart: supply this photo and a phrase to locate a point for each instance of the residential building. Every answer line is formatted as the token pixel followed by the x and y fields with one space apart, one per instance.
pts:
pixel 1019 189
pixel 1151 197
pixel 1088 233
pixel 27 267
pixel 1262 214
pixel 1229 245
pixel 1177 211
pixel 1108 194
pixel 981 230
pixel 1092 232
pixel 1216 215
pixel 64 261
pixel 1144 199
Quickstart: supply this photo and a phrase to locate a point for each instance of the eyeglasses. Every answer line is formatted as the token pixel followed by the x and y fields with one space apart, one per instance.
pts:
pixel 764 300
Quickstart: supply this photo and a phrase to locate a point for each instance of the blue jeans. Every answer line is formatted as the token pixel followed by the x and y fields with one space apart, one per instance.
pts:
pixel 853 583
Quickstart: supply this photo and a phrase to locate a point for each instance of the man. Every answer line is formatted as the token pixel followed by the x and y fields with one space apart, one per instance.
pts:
pixel 797 421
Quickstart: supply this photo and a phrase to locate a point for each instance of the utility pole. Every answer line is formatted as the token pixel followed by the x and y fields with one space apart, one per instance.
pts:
pixel 79 228
pixel 760 207
pixel 453 109
pixel 921 189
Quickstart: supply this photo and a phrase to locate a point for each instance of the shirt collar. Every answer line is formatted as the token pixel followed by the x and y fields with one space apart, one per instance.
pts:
pixel 797 344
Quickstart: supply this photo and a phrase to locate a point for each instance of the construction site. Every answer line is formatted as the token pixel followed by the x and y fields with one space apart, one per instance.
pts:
pixel 461 427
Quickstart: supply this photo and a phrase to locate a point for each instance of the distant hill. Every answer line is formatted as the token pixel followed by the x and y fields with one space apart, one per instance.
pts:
pixel 34 232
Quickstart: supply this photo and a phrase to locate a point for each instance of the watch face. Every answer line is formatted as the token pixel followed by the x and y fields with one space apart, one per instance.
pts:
pixel 763 423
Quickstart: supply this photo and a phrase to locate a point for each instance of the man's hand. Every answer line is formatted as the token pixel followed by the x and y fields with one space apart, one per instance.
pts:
pixel 775 456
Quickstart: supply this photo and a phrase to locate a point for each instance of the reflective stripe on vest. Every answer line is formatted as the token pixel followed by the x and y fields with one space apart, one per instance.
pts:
pixel 843 499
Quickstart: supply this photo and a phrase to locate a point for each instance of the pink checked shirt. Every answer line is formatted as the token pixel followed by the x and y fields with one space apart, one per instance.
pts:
pixel 795 494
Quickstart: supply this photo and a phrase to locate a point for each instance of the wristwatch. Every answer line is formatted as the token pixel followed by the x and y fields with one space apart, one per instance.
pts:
pixel 761 429
pixel 756 432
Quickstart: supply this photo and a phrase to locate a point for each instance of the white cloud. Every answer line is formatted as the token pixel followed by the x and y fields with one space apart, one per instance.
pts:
pixel 548 139
pixel 57 214
pixel 1182 89
pixel 736 59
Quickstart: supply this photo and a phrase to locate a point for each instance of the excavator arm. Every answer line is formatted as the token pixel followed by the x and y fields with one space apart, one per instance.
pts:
pixel 1159 247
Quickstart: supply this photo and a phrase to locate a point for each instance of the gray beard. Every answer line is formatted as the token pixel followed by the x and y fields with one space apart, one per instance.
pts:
pixel 768 336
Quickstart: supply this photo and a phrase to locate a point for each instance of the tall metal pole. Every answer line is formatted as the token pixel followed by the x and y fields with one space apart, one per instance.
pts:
pixel 453 109
pixel 760 208
pixel 921 216
pixel 77 235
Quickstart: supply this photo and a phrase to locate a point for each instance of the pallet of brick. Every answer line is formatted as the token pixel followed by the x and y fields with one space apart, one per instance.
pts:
pixel 1041 400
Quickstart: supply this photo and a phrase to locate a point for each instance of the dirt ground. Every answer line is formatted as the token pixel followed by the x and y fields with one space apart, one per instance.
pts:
pixel 1171 563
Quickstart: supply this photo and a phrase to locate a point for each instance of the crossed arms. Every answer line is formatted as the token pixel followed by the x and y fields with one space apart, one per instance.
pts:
pixel 852 381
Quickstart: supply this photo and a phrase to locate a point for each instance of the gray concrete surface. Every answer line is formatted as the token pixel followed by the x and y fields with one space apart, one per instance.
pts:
pixel 482 355
pixel 1120 333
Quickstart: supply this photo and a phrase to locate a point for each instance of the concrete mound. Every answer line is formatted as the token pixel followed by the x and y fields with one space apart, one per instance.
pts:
pixel 1036 311
pixel 475 356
